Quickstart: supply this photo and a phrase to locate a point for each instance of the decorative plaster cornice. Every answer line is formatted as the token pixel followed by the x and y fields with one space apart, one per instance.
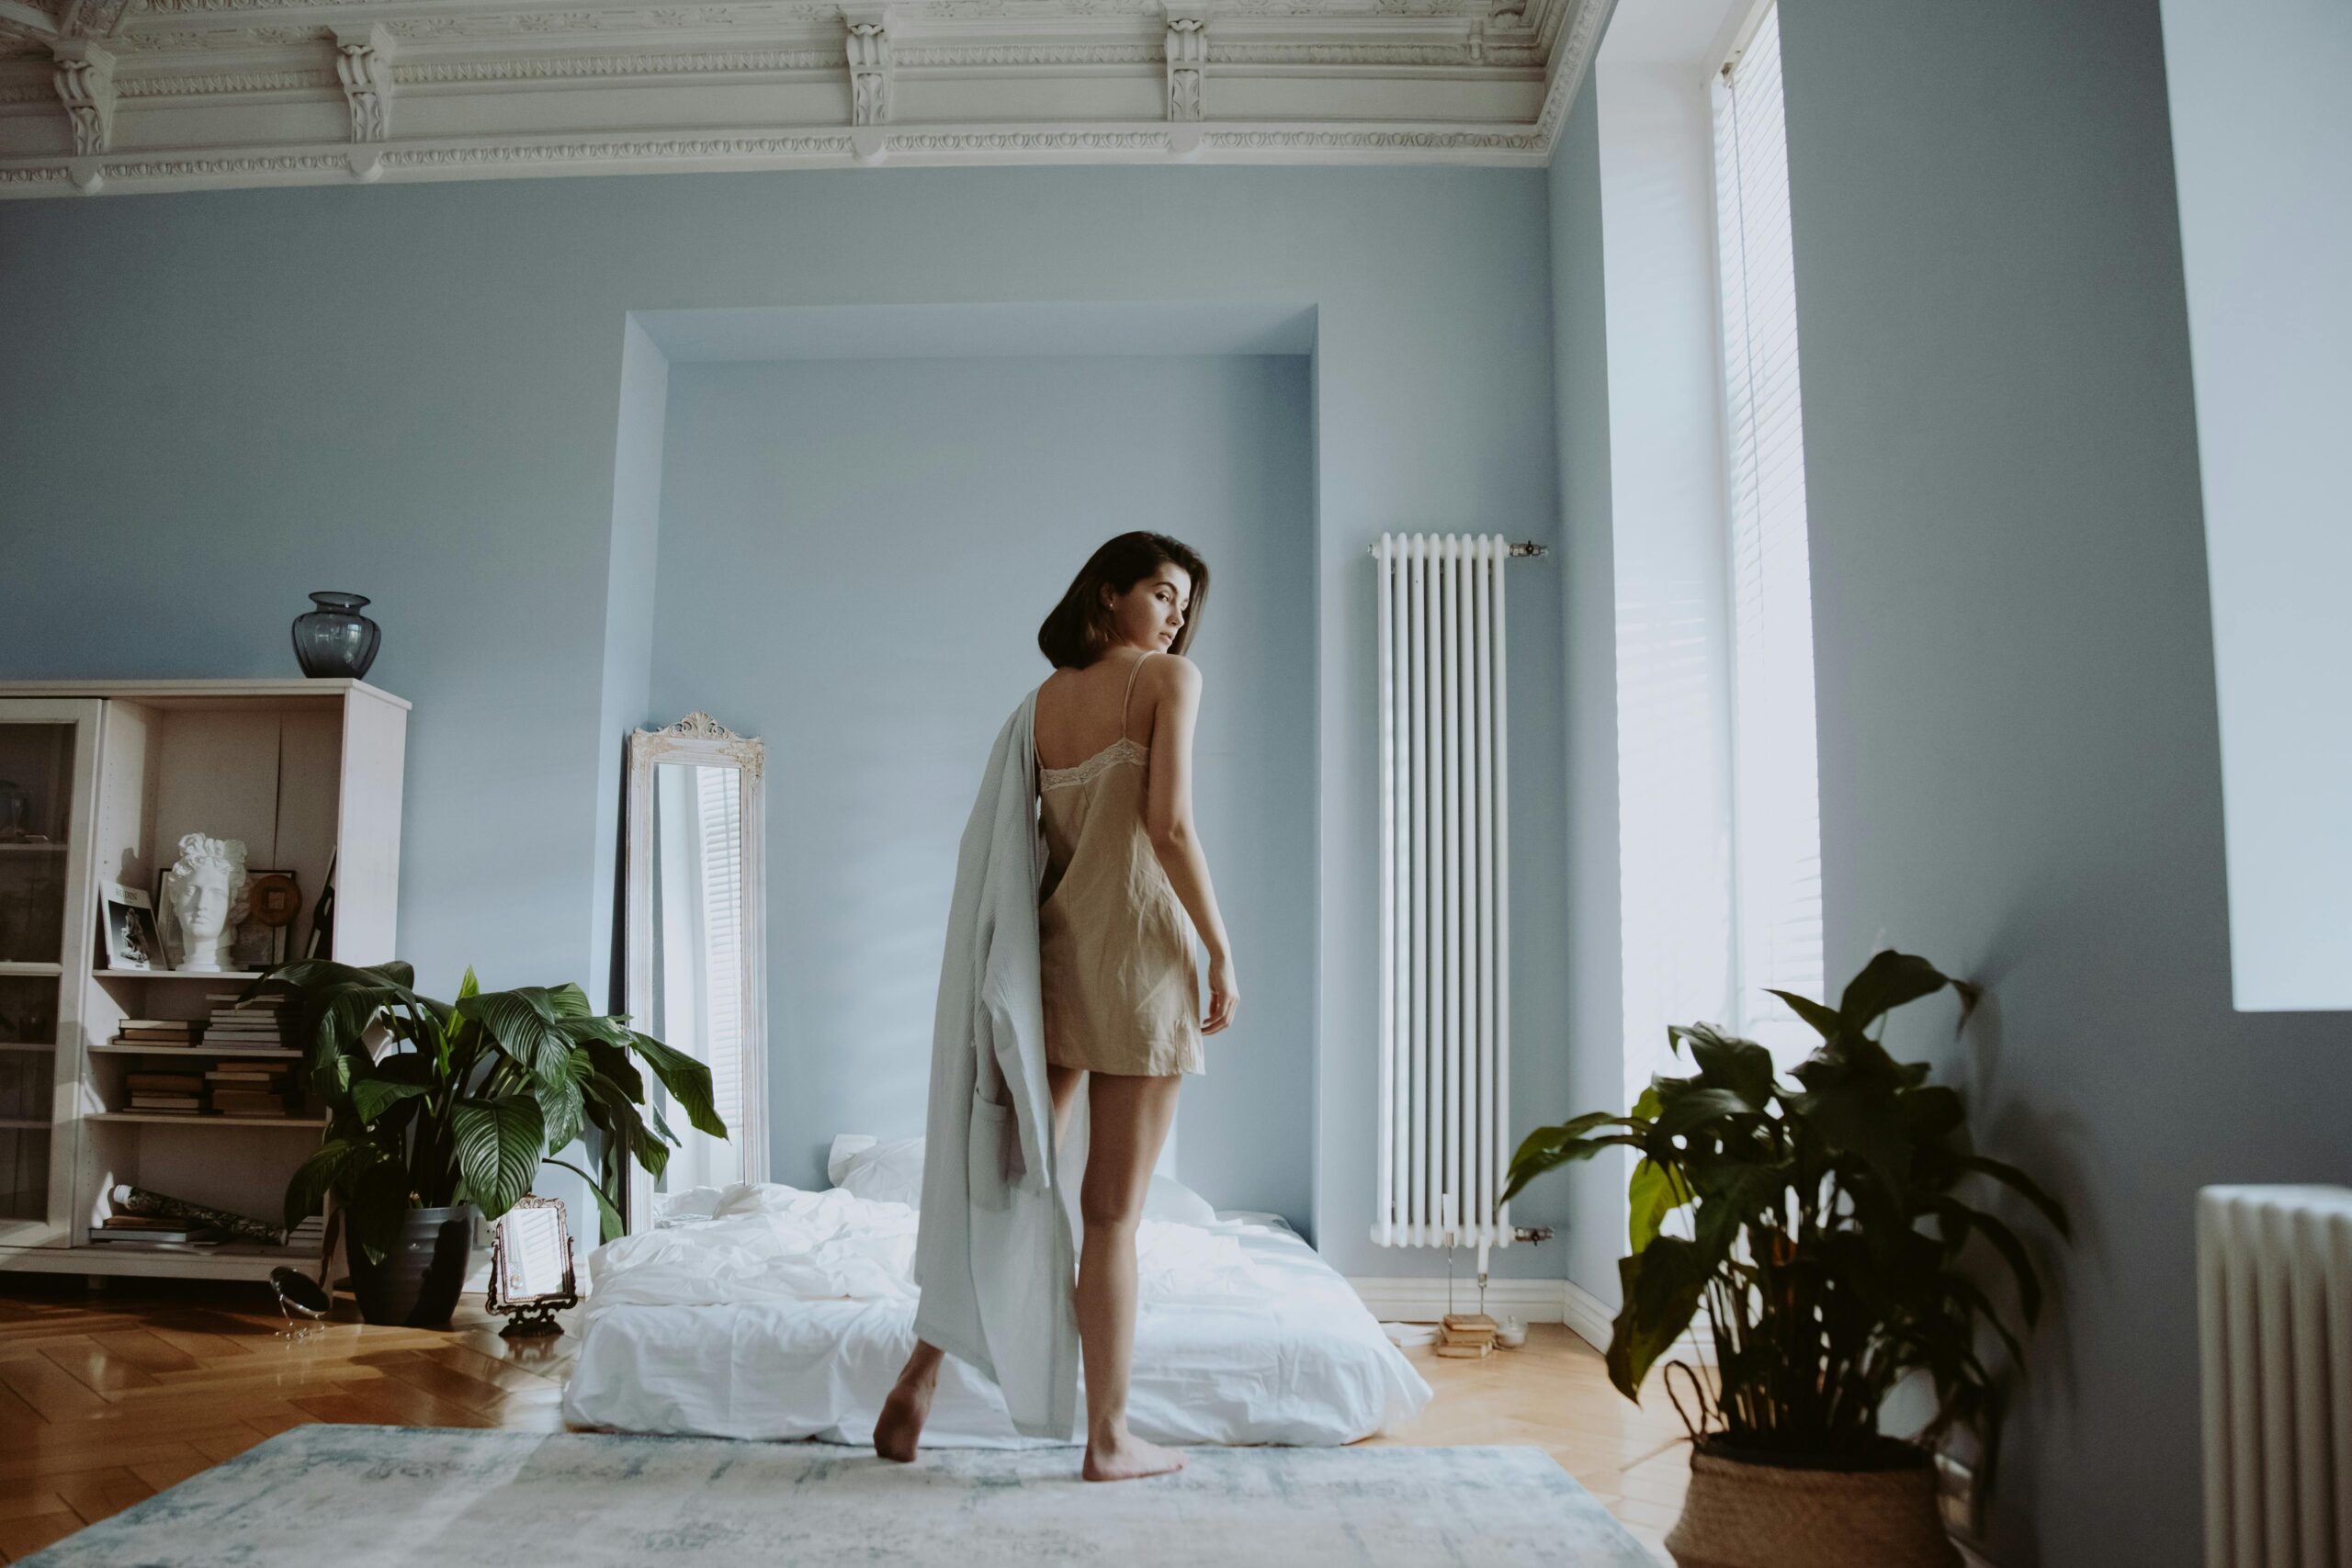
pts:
pixel 913 56
pixel 193 168
pixel 714 62
pixel 1040 81
pixel 1026 140
pixel 620 149
pixel 221 82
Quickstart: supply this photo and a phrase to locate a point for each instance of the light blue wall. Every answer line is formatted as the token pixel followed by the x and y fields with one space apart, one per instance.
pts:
pixel 855 557
pixel 229 397
pixel 2019 756
pixel 1593 948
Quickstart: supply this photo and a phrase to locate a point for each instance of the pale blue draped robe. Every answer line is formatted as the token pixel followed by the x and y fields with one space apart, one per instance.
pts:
pixel 994 1254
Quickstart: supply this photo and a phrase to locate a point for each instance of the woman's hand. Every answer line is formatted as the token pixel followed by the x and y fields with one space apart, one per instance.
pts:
pixel 1224 994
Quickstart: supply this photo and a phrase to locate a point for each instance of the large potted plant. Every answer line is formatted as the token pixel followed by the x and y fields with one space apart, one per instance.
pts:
pixel 438 1109
pixel 1820 1223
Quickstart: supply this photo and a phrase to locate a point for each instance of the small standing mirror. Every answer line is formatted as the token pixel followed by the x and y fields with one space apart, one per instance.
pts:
pixel 696 949
pixel 530 1267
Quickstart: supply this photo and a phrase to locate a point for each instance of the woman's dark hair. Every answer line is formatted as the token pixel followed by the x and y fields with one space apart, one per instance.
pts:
pixel 1079 629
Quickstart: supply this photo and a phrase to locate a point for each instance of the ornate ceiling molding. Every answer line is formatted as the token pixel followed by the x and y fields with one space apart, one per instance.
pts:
pixel 205 94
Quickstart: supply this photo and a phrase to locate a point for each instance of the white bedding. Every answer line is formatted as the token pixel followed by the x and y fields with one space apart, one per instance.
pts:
pixel 787 1313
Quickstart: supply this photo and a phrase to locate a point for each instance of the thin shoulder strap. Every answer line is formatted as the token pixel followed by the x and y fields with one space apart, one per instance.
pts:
pixel 1132 670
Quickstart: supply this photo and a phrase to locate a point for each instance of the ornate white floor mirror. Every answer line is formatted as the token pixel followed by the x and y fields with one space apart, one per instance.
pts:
pixel 695 853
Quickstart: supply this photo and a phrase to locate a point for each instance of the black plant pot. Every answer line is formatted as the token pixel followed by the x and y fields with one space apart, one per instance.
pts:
pixel 335 641
pixel 416 1285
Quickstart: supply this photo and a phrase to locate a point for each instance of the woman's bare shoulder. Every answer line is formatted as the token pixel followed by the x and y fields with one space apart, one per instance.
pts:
pixel 1173 671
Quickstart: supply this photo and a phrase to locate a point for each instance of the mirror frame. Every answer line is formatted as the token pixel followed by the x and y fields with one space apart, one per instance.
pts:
pixel 702 741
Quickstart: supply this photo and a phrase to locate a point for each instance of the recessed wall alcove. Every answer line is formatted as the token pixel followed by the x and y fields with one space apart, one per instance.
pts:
pixel 838 528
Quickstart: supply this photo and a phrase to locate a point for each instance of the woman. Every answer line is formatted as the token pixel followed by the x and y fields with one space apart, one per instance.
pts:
pixel 1124 873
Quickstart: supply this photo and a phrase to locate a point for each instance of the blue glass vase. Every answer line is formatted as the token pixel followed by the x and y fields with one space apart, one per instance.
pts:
pixel 335 641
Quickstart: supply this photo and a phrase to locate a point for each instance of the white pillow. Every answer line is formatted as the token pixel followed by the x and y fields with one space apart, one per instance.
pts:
pixel 1170 1200
pixel 876 1171
pixel 892 1173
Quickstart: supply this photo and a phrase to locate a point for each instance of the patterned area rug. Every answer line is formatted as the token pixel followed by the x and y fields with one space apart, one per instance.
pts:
pixel 372 1496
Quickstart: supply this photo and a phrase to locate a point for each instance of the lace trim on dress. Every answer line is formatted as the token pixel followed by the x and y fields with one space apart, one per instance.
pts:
pixel 1122 750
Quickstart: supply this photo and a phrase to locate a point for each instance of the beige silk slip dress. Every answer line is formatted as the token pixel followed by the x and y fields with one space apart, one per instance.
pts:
pixel 1115 944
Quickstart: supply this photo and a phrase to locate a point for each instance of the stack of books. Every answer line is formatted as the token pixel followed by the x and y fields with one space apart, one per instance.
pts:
pixel 253 1024
pixel 153 1231
pixel 177 1094
pixel 1469 1335
pixel 159 1034
pixel 308 1236
pixel 250 1089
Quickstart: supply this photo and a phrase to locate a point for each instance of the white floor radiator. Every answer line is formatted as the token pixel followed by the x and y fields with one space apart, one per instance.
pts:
pixel 1444 892
pixel 2274 1301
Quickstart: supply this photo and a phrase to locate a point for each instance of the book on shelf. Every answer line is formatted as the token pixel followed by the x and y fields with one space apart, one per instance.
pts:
pixel 162 1083
pixel 123 1198
pixel 137 1229
pixel 234 1075
pixel 190 1102
pixel 240 1103
pixel 180 1024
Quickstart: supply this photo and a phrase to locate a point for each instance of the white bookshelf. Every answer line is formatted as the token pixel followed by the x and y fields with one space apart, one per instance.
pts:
pixel 306 772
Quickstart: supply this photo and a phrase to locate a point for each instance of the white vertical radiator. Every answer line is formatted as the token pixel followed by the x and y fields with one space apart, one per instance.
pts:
pixel 2274 1308
pixel 1444 892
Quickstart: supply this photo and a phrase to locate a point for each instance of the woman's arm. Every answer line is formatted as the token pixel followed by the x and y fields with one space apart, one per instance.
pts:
pixel 1168 819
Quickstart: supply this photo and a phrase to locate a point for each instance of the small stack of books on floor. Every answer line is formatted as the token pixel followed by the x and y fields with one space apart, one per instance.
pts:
pixel 254 1022
pixel 158 1034
pixel 250 1089
pixel 156 1232
pixel 175 1094
pixel 1469 1335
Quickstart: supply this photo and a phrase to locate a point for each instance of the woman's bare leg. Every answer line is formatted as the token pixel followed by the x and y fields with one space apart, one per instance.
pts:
pixel 898 1430
pixel 1128 1120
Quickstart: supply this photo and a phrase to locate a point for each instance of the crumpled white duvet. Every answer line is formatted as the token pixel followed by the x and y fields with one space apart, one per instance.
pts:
pixel 772 1312
pixel 764 1242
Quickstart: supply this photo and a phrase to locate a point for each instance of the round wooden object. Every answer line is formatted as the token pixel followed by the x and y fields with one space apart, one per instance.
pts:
pixel 276 899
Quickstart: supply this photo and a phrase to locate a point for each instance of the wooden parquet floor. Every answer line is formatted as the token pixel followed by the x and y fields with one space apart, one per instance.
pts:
pixel 108 1396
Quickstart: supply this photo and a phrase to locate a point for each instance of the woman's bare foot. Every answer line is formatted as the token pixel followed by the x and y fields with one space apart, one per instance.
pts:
pixel 1126 1457
pixel 899 1428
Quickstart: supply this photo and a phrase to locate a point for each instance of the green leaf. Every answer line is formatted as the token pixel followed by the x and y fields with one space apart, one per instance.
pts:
pixel 320 1174
pixel 1662 1285
pixel 498 1148
pixel 1724 1062
pixel 564 1100
pixel 1959 1217
pixel 687 1080
pixel 2024 1187
pixel 1827 1022
pixel 610 1222
pixel 1886 981
pixel 370 1098
pixel 1652 1195
pixel 523 1023
pixel 569 1001
pixel 1684 1110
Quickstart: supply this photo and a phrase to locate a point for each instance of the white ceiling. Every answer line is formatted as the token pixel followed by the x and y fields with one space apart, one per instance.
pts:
pixel 108 97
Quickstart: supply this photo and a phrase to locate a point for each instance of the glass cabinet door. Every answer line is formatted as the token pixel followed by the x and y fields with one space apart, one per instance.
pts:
pixel 48 748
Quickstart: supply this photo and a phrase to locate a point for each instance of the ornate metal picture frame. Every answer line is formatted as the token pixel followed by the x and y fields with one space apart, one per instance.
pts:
pixel 532 1314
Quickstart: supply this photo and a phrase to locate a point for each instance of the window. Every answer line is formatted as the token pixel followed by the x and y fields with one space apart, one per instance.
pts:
pixel 1776 806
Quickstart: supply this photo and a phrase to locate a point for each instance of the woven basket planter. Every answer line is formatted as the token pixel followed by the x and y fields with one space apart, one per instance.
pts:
pixel 1744 1512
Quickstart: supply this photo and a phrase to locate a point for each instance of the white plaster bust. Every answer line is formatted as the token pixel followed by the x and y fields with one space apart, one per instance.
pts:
pixel 205 891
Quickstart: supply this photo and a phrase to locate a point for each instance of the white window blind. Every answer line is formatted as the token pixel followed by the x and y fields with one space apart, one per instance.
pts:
pixel 1776 802
pixel 720 812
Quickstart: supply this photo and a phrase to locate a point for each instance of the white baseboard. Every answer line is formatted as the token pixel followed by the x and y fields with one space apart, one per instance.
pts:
pixel 1586 1315
pixel 1422 1298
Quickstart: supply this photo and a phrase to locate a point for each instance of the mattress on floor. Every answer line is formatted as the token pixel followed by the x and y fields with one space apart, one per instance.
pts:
pixel 790 1316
